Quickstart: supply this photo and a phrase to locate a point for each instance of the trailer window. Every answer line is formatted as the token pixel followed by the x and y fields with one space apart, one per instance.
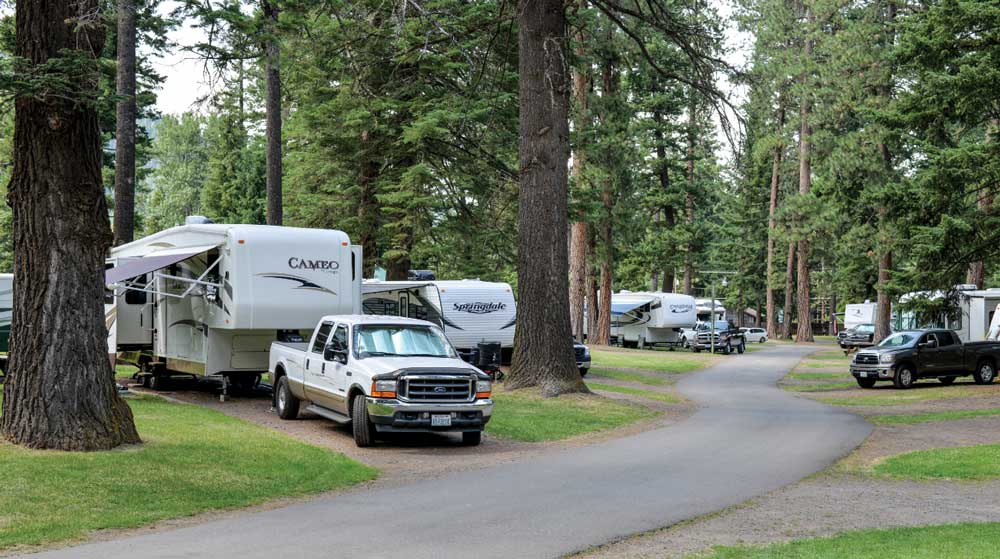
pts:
pixel 321 336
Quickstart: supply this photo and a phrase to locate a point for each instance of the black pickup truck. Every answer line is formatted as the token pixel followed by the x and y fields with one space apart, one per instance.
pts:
pixel 727 338
pixel 907 356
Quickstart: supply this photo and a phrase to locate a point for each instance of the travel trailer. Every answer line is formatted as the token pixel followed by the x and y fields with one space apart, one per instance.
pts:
pixel 704 309
pixel 208 299
pixel 6 309
pixel 971 320
pixel 856 314
pixel 469 311
pixel 650 318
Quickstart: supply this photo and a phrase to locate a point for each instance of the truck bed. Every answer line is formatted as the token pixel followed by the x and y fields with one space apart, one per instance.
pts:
pixel 297 346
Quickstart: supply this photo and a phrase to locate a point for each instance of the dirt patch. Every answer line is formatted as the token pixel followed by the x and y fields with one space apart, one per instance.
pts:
pixel 821 506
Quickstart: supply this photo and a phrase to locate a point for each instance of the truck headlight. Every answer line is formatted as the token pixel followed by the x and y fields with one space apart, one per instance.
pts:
pixel 886 358
pixel 384 388
pixel 586 353
pixel 484 388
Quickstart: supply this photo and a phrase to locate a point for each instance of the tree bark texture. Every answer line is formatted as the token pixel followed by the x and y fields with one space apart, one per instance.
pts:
pixel 603 334
pixel 804 333
pixel 542 356
pixel 786 324
pixel 125 125
pixel 883 307
pixel 578 230
pixel 689 200
pixel 772 225
pixel 669 218
pixel 592 283
pixel 60 391
pixel 273 110
pixel 368 214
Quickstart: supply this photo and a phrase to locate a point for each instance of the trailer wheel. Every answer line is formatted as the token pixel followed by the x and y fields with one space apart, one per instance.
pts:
pixel 364 431
pixel 287 403
pixel 985 373
pixel 472 438
pixel 904 377
pixel 157 382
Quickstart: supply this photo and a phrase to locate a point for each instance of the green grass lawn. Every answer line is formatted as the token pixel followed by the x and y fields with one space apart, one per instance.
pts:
pixel 888 396
pixel 650 360
pixel 630 376
pixel 818 376
pixel 649 394
pixel 821 387
pixel 192 460
pixel 952 541
pixel 967 462
pixel 913 418
pixel 524 415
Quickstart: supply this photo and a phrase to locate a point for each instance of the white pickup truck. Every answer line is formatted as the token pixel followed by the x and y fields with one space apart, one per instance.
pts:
pixel 381 374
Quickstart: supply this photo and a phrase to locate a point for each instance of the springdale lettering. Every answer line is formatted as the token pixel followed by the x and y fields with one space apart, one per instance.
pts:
pixel 479 307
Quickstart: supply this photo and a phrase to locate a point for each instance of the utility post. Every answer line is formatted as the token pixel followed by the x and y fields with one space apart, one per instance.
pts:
pixel 724 282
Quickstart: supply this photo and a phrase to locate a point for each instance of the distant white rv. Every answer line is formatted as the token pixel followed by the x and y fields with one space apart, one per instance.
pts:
pixel 6 310
pixel 208 299
pixel 469 311
pixel 971 320
pixel 856 314
pixel 704 309
pixel 648 318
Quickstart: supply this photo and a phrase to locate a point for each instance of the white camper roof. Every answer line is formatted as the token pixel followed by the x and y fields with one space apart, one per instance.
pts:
pixel 378 286
pixel 186 236
pixel 625 302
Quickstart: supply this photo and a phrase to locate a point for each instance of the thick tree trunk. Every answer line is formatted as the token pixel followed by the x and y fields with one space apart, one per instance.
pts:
pixel 804 333
pixel 689 200
pixel 125 125
pixel 542 355
pixel 578 232
pixel 273 110
pixel 977 270
pixel 772 229
pixel 786 324
pixel 368 214
pixel 603 334
pixel 663 173
pixel 60 391
pixel 592 285
pixel 883 308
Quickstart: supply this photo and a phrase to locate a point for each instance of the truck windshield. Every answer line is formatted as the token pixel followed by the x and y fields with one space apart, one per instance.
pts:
pixel 898 340
pixel 401 340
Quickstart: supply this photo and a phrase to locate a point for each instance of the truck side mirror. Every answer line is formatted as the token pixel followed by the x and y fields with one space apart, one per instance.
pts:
pixel 333 354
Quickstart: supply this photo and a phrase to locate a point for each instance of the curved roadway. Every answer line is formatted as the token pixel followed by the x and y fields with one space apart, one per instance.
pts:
pixel 748 438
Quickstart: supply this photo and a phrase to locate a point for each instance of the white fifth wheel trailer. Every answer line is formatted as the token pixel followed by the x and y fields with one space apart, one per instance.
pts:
pixel 705 310
pixel 856 314
pixel 208 299
pixel 469 311
pixel 651 318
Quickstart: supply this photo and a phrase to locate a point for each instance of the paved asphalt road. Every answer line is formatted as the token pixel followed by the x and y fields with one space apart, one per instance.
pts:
pixel 749 438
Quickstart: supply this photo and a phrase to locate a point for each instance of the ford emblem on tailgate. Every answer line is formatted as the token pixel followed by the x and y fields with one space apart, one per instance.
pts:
pixel 440 389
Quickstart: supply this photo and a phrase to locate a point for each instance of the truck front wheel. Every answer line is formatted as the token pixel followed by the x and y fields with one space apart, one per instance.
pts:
pixel 985 373
pixel 364 430
pixel 472 438
pixel 904 377
pixel 742 347
pixel 286 402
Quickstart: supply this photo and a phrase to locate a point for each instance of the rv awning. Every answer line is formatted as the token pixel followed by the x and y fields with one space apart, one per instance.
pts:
pixel 152 262
pixel 384 287
pixel 629 305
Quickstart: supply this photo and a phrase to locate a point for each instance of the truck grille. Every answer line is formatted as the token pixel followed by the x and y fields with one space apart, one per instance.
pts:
pixel 707 337
pixel 866 359
pixel 579 351
pixel 436 388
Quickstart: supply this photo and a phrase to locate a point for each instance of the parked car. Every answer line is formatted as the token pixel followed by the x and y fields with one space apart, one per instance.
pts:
pixel 582 354
pixel 688 335
pixel 907 356
pixel 381 374
pixel 842 337
pixel 862 336
pixel 727 338
pixel 754 335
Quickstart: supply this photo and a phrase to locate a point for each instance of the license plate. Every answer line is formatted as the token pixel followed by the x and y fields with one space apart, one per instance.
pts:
pixel 863 374
pixel 441 420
